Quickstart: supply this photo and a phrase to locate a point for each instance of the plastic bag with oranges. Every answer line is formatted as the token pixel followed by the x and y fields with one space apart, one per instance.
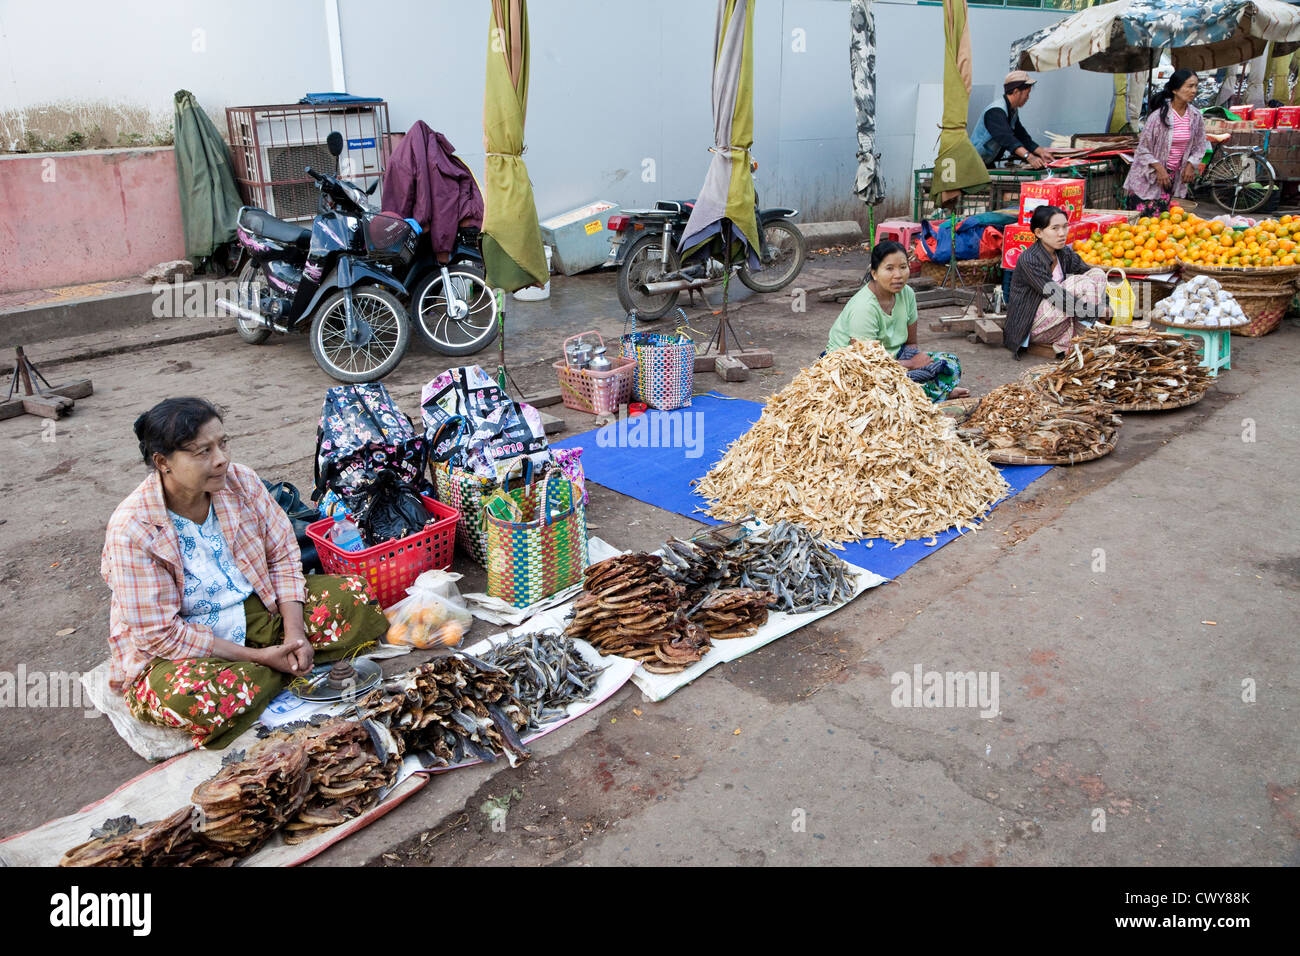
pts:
pixel 431 615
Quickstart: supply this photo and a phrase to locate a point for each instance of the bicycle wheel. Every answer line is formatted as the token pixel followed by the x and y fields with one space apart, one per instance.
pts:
pixel 1241 182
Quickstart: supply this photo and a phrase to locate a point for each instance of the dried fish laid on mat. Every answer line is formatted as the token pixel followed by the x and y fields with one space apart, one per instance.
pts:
pixel 455 708
pixel 246 802
pixel 1023 417
pixel 850 449
pixel 630 607
pixel 1127 367
pixel 546 672
pixel 350 763
pixel 785 559
pixel 115 843
pixel 732 612
pixel 175 842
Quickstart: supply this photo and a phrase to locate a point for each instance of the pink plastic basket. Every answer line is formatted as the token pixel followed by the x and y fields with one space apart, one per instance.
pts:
pixel 597 393
pixel 392 567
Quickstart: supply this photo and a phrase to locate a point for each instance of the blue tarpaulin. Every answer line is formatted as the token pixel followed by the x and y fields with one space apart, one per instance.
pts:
pixel 654 457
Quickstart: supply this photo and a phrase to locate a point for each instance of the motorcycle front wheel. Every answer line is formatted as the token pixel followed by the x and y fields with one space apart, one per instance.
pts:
pixel 786 251
pixel 250 284
pixel 644 263
pixel 370 360
pixel 473 331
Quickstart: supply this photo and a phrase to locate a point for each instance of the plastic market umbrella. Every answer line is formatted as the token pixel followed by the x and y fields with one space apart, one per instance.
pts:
pixel 869 185
pixel 958 166
pixel 725 206
pixel 512 239
pixel 209 197
pixel 1126 36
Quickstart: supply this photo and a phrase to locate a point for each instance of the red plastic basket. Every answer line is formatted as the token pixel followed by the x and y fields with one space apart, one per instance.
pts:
pixel 392 567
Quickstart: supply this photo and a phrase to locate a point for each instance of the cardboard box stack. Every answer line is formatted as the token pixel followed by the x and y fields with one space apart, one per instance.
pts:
pixel 1067 194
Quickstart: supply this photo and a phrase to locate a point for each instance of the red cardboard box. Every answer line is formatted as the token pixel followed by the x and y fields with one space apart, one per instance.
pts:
pixel 1288 117
pixel 1067 194
pixel 1265 117
pixel 1104 220
pixel 1015 239
pixel 1245 112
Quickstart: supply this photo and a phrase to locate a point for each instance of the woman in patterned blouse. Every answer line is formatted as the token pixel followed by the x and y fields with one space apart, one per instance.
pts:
pixel 1171 146
pixel 211 615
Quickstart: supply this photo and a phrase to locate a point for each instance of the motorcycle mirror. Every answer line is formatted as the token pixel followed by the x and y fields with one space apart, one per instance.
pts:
pixel 334 143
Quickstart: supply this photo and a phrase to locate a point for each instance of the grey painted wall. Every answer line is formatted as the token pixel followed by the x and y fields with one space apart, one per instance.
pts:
pixel 614 82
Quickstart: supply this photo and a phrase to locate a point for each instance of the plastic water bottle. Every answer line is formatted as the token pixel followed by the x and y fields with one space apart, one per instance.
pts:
pixel 345 534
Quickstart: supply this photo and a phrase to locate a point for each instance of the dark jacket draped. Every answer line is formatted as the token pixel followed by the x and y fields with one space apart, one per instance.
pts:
pixel 426 181
pixel 1031 283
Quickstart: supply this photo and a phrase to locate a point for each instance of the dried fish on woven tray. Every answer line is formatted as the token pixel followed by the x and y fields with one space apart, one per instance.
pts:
pixel 547 674
pixel 455 708
pixel 1127 367
pixel 850 449
pixel 248 800
pixel 630 607
pixel 788 560
pixel 1023 418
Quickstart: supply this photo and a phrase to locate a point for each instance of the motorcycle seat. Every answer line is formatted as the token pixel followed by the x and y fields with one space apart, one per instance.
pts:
pixel 679 205
pixel 261 223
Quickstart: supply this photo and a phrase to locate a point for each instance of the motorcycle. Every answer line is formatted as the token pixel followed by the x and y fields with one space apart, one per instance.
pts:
pixel 651 275
pixel 450 302
pixel 335 279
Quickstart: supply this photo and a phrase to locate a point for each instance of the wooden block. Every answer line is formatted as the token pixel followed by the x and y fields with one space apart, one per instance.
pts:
pixel 11 409
pixel 704 363
pixel 755 358
pixel 990 333
pixel 1046 351
pixel 540 400
pixel 953 323
pixel 551 424
pixel 47 406
pixel 839 292
pixel 730 368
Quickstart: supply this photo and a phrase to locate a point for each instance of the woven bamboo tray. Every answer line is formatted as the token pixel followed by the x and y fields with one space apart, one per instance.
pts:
pixel 971 271
pixel 1032 375
pixel 1264 294
pixel 961 408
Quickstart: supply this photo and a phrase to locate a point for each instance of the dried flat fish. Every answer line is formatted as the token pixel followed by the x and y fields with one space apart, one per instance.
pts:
pixel 852 448
pixel 1127 367
pixel 1024 417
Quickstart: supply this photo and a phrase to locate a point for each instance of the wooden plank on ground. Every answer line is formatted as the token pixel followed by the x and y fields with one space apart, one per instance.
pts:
pixel 988 332
pixel 551 424
pixel 539 400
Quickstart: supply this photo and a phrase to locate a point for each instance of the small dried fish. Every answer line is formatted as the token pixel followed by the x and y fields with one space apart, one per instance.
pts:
pixel 546 673
pixel 844 447
pixel 1127 367
pixel 1024 417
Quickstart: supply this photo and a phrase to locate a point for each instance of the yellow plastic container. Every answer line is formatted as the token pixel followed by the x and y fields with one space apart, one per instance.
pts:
pixel 1121 298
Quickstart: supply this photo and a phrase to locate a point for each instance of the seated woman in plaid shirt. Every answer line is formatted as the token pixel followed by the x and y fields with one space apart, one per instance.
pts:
pixel 211 616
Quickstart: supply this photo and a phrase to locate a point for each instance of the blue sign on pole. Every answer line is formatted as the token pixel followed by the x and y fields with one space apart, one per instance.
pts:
pixel 367 143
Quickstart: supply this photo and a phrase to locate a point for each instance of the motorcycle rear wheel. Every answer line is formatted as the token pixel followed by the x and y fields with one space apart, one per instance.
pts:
pixel 644 263
pixel 448 336
pixel 390 327
pixel 786 251
pixel 250 284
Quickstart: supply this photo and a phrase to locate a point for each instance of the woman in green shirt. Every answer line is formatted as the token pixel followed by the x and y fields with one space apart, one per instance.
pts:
pixel 885 310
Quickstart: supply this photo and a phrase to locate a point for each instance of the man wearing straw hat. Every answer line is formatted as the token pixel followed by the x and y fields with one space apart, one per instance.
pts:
pixel 999 129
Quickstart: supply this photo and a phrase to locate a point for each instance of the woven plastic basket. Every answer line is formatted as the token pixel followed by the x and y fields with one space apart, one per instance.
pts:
pixel 1264 294
pixel 597 393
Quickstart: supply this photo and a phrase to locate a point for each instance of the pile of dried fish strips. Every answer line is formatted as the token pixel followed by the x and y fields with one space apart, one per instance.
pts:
pixel 170 842
pixel 455 707
pixel 349 771
pixel 1127 367
pixel 547 674
pixel 1023 418
pixel 630 607
pixel 247 801
pixel 787 560
pixel 853 449
pixel 733 612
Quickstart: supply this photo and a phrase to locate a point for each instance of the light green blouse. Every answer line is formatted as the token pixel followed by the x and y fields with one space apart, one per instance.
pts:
pixel 863 318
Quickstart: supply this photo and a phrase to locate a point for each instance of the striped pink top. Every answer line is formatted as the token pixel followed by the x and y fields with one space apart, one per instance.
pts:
pixel 1181 135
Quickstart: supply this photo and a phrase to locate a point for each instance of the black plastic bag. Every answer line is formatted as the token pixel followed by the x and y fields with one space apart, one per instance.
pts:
pixel 393 510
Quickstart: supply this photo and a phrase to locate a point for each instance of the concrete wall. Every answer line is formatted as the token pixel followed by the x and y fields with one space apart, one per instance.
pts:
pixel 619 104
pixel 82 217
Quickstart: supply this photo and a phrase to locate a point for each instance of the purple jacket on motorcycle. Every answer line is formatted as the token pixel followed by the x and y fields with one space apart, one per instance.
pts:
pixel 427 182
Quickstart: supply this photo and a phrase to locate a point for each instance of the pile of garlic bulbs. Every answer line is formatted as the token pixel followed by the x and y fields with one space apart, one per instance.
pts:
pixel 1199 301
